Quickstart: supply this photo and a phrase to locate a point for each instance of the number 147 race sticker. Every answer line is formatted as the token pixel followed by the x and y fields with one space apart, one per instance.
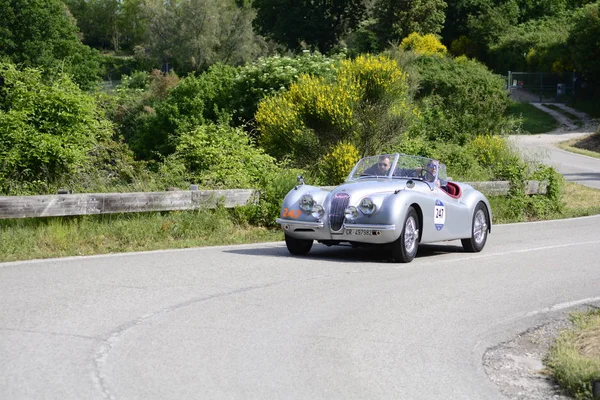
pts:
pixel 439 218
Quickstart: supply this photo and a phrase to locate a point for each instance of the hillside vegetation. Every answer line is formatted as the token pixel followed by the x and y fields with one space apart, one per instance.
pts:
pixel 251 97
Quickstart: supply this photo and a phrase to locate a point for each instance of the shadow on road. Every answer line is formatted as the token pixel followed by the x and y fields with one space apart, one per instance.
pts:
pixel 583 176
pixel 346 253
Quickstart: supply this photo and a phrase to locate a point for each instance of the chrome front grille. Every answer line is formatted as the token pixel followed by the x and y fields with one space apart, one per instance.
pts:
pixel 336 213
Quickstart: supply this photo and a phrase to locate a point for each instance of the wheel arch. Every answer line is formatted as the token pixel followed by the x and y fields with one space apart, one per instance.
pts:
pixel 488 214
pixel 419 211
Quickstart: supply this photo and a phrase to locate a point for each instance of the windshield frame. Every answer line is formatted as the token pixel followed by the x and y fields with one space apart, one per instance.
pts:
pixel 403 166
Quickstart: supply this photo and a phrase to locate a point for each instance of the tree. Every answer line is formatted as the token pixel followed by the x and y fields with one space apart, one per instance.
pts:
pixel 112 24
pixel 537 45
pixel 319 23
pixel 397 19
pixel 191 35
pixel 41 33
pixel 583 42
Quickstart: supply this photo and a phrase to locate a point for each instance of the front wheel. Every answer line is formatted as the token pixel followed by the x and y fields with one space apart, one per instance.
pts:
pixel 298 247
pixel 479 230
pixel 404 249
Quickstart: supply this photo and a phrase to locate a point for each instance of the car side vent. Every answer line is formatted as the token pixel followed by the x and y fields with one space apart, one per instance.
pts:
pixel 336 215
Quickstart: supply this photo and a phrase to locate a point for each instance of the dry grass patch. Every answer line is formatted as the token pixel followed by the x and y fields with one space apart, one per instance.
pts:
pixel 589 342
pixel 580 200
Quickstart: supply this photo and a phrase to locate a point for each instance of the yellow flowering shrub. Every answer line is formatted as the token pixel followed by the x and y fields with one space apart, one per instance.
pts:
pixel 490 150
pixel 376 76
pixel 317 112
pixel 337 164
pixel 427 44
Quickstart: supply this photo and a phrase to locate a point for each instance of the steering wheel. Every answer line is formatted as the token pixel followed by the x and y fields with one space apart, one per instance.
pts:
pixel 426 175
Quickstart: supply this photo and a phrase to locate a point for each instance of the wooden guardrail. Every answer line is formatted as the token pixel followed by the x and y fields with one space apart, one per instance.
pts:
pixel 108 203
pixel 500 188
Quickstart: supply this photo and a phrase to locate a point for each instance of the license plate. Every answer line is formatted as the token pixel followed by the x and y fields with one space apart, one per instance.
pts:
pixel 359 232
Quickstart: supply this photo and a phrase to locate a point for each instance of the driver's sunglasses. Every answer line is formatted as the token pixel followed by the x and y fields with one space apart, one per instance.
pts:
pixel 383 164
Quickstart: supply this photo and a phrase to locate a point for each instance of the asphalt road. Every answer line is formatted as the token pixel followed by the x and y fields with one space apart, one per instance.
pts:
pixel 252 322
pixel 575 167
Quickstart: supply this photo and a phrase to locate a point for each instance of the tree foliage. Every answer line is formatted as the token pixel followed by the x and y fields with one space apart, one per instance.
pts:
pixel 584 44
pixel 537 45
pixel 397 19
pixel 109 24
pixel 316 24
pixel 41 33
pixel 192 35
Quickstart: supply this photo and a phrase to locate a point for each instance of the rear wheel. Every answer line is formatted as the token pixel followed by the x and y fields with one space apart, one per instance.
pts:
pixel 298 246
pixel 479 230
pixel 404 249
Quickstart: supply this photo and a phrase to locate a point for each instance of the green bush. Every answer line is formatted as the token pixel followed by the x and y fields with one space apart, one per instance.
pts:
pixel 468 99
pixel 271 75
pixel 219 156
pixel 48 129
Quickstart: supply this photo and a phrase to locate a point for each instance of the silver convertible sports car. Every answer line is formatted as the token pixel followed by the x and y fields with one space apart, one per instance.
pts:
pixel 391 199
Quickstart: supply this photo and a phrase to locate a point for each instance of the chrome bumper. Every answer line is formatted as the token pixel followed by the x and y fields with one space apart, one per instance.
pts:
pixel 349 232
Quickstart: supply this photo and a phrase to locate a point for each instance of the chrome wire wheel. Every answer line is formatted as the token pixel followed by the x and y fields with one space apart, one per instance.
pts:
pixel 405 247
pixel 479 226
pixel 411 234
pixel 479 229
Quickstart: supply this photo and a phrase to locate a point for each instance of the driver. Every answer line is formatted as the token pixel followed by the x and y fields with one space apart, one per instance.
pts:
pixel 381 168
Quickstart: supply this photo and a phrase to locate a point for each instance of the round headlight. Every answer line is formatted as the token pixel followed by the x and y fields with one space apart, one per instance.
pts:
pixel 317 211
pixel 367 206
pixel 351 213
pixel 306 203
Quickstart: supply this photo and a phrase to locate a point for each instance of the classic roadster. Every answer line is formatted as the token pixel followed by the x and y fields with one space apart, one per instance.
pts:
pixel 396 200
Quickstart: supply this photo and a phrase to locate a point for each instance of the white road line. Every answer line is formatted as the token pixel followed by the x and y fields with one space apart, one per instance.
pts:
pixel 474 257
pixel 562 306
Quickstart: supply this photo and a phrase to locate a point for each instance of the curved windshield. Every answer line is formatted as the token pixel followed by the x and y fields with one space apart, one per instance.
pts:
pixel 396 166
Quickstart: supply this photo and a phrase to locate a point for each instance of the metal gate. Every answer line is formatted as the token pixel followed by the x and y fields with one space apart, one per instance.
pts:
pixel 541 86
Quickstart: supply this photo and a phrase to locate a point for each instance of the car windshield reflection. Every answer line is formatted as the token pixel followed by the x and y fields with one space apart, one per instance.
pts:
pixel 398 166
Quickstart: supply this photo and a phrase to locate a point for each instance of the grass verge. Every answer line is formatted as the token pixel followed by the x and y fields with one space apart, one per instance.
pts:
pixel 533 119
pixel 23 239
pixel 588 146
pixel 575 357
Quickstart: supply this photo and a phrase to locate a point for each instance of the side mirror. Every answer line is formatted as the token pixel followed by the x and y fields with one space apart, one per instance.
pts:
pixel 300 180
